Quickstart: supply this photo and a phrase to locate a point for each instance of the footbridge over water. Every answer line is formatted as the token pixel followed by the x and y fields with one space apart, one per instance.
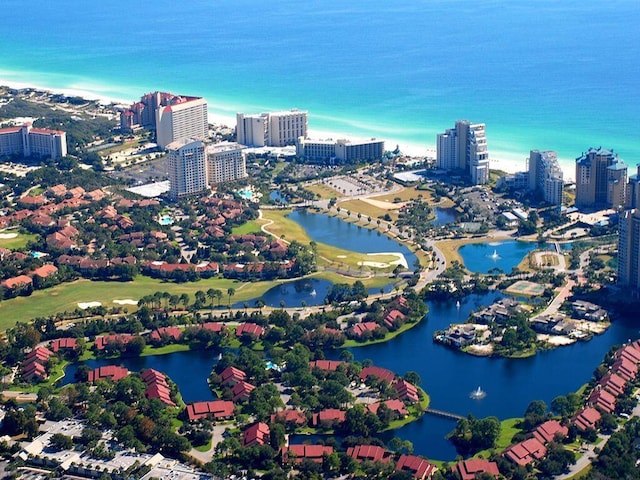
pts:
pixel 442 413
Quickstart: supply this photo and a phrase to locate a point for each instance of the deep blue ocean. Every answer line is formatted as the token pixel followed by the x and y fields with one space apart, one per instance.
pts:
pixel 541 74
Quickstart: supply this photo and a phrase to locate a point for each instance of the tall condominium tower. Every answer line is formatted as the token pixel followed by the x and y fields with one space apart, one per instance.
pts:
pixel 180 121
pixel 633 190
pixel 545 176
pixel 173 117
pixel 465 148
pixel 629 250
pixel 273 129
pixel 187 168
pixel 225 162
pixel 601 179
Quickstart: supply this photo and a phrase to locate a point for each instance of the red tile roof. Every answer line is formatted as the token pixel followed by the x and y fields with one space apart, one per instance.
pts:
pixel 157 386
pixel 587 418
pixel 217 409
pixel 394 405
pixel 468 469
pixel 525 452
pixel 360 328
pixel 112 372
pixel 19 281
pixel 45 270
pixel 103 340
pixel 380 373
pixel 368 452
pixel 249 328
pixel 613 383
pixel 290 416
pixel 329 416
pixel 326 365
pixel 241 391
pixel 419 467
pixel 406 391
pixel 64 343
pixel 603 400
pixel 315 453
pixel 257 434
pixel 231 375
pixel 166 332
pixel 213 326
pixel 550 431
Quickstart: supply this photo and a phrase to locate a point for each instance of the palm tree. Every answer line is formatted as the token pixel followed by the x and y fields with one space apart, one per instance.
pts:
pixel 260 304
pixel 231 292
pixel 184 299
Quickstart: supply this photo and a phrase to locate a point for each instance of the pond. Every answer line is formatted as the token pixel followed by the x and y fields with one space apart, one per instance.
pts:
pixel 448 376
pixel 338 233
pixel 486 256
pixel 189 370
pixel 312 291
pixel 444 216
pixel 277 197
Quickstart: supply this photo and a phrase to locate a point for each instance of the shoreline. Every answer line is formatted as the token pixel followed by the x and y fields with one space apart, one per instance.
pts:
pixel 219 114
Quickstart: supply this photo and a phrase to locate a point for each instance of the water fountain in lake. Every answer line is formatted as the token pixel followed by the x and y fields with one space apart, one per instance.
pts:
pixel 494 256
pixel 478 394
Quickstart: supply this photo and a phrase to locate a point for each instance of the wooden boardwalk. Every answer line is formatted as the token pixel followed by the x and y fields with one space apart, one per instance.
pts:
pixel 442 413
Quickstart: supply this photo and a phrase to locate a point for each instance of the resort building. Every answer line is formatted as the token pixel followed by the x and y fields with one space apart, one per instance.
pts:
pixel 339 151
pixel 28 141
pixel 629 250
pixel 464 148
pixel 633 190
pixel 545 176
pixel 273 129
pixel 225 162
pixel 187 168
pixel 601 179
pixel 173 117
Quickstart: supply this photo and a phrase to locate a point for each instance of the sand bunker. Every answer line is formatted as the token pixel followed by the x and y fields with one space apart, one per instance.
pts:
pixel 341 256
pixel 400 260
pixel 384 205
pixel 85 305
pixel 6 236
pixel 126 301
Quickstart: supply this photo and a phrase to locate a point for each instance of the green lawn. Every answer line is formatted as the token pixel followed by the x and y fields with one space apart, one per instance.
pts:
pixel 251 226
pixel 17 243
pixel 387 337
pixel 65 297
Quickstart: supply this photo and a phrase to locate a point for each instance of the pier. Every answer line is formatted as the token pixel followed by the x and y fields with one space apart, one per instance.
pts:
pixel 442 413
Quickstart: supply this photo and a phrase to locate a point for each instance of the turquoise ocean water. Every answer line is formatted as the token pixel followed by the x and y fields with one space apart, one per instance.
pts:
pixel 541 74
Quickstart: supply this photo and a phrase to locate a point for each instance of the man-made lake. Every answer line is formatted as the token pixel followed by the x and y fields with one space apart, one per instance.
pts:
pixel 338 233
pixel 444 216
pixel 448 376
pixel 483 257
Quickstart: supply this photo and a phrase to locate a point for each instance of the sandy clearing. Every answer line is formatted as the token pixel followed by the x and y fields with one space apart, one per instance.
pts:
pixel 7 236
pixel 401 260
pixel 556 340
pixel 383 204
pixel 85 305
pixel 126 301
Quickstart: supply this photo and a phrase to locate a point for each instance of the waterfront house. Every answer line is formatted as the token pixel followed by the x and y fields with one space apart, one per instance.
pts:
pixel 625 368
pixel 103 340
pixel 157 386
pixel 382 374
pixel 473 467
pixel 217 409
pixel 241 391
pixel 34 364
pixel 526 452
pixel 420 468
pixel 550 431
pixel 328 418
pixel 166 333
pixel 299 453
pixel 257 434
pixel 392 318
pixel 107 372
pixel 602 399
pixel 359 329
pixel 406 391
pixel 613 383
pixel 396 406
pixel 230 376
pixel 371 453
pixel 587 418
pixel 326 365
